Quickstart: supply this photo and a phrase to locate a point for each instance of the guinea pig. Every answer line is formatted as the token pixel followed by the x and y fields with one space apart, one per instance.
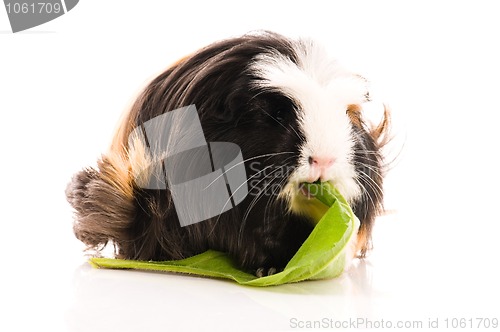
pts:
pixel 297 116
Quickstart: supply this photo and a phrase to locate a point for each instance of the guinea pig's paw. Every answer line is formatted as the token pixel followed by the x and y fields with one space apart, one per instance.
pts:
pixel 266 271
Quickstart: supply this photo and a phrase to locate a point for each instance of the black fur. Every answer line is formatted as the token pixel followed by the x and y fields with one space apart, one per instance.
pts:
pixel 259 232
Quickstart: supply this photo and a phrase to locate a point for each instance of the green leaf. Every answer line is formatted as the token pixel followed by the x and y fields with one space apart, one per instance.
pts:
pixel 321 256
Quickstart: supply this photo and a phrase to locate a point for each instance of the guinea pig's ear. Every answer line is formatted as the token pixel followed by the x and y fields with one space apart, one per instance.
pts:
pixel 354 113
pixel 367 117
pixel 381 132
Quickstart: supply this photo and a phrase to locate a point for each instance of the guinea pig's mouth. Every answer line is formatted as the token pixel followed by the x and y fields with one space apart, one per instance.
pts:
pixel 303 200
pixel 305 191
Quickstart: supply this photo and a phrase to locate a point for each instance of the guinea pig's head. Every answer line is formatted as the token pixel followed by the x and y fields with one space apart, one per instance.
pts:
pixel 296 114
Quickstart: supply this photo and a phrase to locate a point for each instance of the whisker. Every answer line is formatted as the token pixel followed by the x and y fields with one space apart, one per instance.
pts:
pixel 267 184
pixel 365 193
pixel 377 190
pixel 252 204
pixel 369 152
pixel 369 179
pixel 234 191
pixel 229 199
pixel 274 198
pixel 248 159
pixel 370 167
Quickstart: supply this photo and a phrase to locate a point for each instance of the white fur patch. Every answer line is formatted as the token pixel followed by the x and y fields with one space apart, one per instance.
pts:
pixel 323 90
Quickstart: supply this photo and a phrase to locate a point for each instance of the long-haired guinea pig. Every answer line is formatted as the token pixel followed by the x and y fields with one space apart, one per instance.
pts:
pixel 297 117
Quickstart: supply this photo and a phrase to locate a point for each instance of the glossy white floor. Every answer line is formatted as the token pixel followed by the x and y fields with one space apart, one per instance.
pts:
pixel 64 84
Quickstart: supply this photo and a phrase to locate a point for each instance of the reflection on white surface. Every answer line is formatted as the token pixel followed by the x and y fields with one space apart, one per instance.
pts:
pixel 118 298
pixel 388 286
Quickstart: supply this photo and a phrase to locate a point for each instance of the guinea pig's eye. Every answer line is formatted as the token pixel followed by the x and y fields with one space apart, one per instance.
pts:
pixel 276 108
pixel 367 96
pixel 278 116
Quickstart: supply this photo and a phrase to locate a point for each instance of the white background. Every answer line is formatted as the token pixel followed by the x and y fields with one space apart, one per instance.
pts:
pixel 64 84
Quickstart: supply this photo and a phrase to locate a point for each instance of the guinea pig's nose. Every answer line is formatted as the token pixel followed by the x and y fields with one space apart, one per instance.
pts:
pixel 321 162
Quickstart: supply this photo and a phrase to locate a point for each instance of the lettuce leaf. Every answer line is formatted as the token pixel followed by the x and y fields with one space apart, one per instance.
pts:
pixel 321 256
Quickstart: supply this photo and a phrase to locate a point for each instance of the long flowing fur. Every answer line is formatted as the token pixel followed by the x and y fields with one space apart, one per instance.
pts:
pixel 111 206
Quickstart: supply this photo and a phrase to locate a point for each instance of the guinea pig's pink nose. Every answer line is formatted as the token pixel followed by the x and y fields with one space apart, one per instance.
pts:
pixel 319 167
pixel 321 162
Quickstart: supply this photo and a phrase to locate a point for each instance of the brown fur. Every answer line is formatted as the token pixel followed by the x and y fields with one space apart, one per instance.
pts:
pixel 110 206
pixel 103 202
pixel 381 137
